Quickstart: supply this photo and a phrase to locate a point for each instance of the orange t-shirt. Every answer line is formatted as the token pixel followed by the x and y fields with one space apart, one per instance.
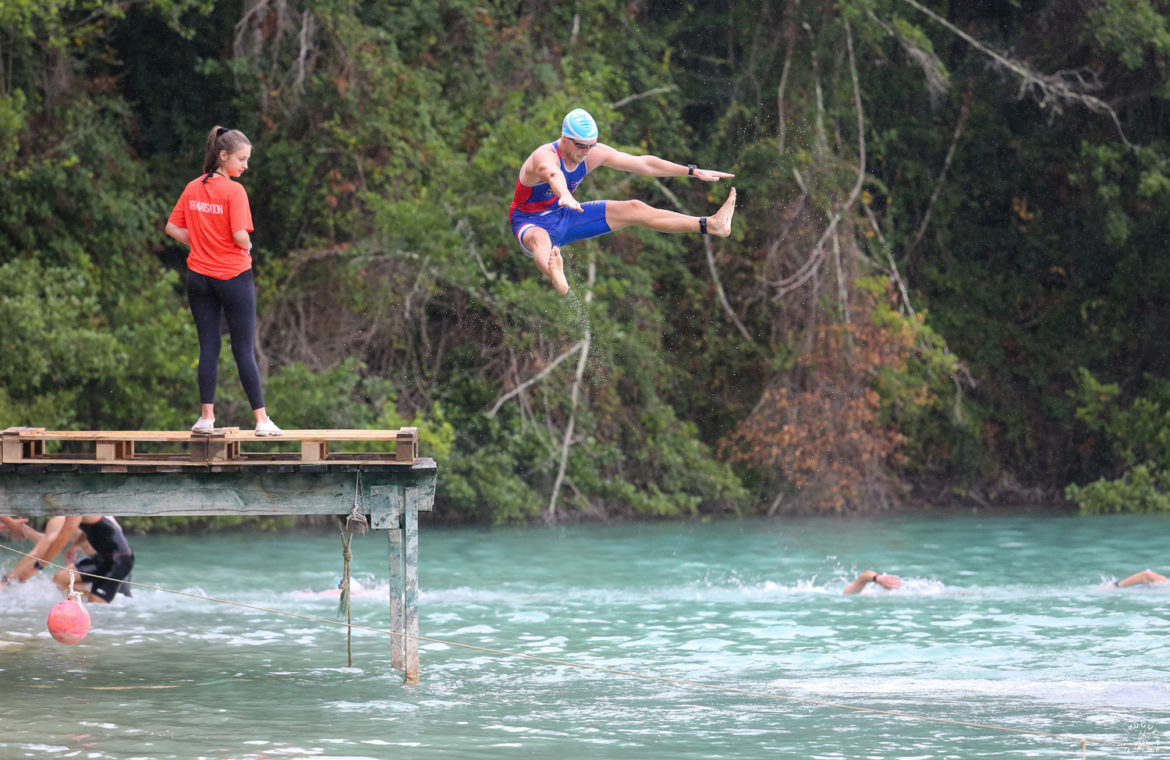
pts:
pixel 210 212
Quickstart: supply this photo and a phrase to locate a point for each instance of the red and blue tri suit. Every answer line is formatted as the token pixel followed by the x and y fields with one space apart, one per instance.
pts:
pixel 537 207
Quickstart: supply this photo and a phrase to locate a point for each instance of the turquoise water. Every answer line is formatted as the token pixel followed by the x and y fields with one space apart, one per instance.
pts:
pixel 1001 620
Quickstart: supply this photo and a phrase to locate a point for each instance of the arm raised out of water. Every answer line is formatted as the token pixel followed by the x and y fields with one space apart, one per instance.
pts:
pixel 886 581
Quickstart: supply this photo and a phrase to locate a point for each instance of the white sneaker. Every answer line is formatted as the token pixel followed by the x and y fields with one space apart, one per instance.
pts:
pixel 267 427
pixel 203 426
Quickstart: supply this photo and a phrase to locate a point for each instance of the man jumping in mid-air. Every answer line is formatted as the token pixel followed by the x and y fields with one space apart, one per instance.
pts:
pixel 546 216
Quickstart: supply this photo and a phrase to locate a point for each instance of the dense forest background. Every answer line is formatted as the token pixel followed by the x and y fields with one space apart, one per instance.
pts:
pixel 943 286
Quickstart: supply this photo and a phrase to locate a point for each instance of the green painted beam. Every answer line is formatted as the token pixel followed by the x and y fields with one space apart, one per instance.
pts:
pixel 32 491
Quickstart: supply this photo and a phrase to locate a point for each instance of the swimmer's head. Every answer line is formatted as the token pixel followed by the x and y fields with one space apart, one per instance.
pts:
pixel 579 125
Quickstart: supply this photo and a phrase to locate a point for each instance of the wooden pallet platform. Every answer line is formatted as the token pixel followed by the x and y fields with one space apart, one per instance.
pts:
pixel 127 450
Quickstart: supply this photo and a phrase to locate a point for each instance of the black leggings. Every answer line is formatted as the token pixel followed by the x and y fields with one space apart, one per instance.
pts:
pixel 236 300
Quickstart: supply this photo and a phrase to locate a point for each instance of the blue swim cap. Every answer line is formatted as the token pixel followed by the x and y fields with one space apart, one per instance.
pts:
pixel 579 125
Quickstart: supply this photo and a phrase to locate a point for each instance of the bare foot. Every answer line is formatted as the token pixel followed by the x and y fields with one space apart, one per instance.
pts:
pixel 556 270
pixel 719 224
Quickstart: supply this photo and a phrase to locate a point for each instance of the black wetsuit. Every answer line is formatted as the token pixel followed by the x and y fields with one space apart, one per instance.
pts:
pixel 112 559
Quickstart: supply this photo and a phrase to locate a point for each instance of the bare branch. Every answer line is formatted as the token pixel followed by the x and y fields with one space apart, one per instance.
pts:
pixel 783 128
pixel 722 294
pixel 964 112
pixel 820 141
pixel 842 285
pixel 649 93
pixel 582 360
pixel 711 266
pixel 536 378
pixel 1050 89
pixel 795 216
pixel 667 192
pixel 894 273
pixel 462 227
pixel 305 39
pixel 775 506
pixel 810 267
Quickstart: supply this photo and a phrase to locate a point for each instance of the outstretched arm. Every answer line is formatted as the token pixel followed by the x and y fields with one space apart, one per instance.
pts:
pixel 58 533
pixel 650 166
pixel 886 581
pixel 17 527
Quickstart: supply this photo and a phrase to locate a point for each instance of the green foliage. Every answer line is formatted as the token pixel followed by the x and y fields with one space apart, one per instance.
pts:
pixel 1139 432
pixel 1143 488
pixel 69 361
pixel 925 398
pixel 1132 30
pixel 1138 439
pixel 492 479
pixel 13 120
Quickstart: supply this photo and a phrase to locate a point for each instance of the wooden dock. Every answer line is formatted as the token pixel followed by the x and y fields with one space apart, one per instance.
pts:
pixel 234 472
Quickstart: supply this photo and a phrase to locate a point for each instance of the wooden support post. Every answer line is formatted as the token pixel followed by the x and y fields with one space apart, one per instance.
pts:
pixel 397 640
pixel 114 450
pixel 15 450
pixel 386 509
pixel 406 447
pixel 410 531
pixel 314 451
pixel 214 450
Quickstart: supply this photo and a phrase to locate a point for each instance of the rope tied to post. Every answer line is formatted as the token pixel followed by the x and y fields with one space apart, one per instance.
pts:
pixel 356 523
pixel 353 523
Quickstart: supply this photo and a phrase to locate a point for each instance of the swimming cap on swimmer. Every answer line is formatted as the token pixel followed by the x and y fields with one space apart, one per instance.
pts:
pixel 579 125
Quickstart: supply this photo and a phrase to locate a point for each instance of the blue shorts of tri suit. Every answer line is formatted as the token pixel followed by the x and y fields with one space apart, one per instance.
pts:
pixel 563 225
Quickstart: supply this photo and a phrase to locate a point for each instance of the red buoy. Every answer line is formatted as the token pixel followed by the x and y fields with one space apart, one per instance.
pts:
pixel 68 622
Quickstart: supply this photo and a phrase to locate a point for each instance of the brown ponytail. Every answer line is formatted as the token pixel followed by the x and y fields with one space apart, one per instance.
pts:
pixel 221 138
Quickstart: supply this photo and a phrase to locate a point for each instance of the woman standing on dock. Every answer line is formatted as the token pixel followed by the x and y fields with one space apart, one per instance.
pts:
pixel 212 216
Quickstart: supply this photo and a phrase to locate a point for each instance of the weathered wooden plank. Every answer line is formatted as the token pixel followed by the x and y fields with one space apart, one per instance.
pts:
pixel 335 462
pixel 33 491
pixel 149 436
pixel 181 436
pixel 23 445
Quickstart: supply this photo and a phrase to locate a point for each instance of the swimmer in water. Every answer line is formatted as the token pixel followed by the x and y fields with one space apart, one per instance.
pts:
pixel 18 529
pixel 107 563
pixel 886 581
pixel 1143 578
pixel 545 216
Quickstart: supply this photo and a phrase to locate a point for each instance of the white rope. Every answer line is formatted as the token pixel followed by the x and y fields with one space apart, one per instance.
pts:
pixel 74 595
pixel 1082 740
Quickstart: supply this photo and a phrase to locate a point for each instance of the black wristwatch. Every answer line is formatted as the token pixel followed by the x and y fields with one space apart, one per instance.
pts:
pixel 690 170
